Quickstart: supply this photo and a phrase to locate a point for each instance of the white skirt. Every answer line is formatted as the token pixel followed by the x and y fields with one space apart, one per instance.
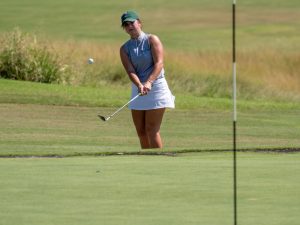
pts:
pixel 160 96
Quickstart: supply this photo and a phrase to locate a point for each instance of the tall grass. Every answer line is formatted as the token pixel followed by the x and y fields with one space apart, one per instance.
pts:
pixel 22 57
pixel 106 70
pixel 264 74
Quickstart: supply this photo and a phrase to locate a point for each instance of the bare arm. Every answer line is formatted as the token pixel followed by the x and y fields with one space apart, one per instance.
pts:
pixel 130 70
pixel 158 57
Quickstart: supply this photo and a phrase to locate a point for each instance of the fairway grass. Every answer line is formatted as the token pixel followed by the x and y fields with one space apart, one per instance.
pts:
pixel 22 92
pixel 44 130
pixel 150 190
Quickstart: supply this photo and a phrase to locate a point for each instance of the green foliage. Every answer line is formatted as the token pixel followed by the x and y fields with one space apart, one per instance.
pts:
pixel 23 58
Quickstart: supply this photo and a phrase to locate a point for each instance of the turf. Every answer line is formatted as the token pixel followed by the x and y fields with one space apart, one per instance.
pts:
pixel 192 189
pixel 28 129
pixel 21 92
pixel 40 120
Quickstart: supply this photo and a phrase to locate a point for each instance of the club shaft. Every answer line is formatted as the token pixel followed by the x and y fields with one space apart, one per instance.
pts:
pixel 131 100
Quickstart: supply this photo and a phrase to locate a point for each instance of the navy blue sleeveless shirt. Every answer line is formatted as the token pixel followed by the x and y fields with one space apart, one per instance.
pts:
pixel 140 55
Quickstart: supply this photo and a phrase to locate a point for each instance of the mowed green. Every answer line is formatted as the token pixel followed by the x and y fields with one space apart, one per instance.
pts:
pixel 154 190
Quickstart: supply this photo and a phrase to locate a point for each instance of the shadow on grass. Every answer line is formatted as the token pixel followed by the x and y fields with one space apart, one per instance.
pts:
pixel 153 153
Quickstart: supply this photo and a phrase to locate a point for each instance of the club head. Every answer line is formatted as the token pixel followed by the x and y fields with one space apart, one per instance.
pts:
pixel 103 118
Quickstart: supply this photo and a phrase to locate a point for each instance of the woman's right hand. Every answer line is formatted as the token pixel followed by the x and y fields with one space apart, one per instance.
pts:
pixel 143 90
pixel 148 86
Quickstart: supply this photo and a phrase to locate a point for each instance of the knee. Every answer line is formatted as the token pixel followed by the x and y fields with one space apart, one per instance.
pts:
pixel 141 132
pixel 152 130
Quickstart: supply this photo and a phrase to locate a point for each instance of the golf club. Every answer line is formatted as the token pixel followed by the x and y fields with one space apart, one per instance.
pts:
pixel 118 110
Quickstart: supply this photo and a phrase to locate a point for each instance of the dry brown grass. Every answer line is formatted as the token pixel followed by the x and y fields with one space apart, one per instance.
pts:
pixel 262 73
pixel 267 73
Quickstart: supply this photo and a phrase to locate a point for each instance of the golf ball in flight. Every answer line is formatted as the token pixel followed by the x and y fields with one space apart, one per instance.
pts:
pixel 90 61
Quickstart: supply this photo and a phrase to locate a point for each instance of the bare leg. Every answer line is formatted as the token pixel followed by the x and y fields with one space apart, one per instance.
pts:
pixel 153 119
pixel 138 117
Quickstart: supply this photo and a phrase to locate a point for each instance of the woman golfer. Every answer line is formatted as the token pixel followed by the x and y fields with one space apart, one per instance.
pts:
pixel 142 58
